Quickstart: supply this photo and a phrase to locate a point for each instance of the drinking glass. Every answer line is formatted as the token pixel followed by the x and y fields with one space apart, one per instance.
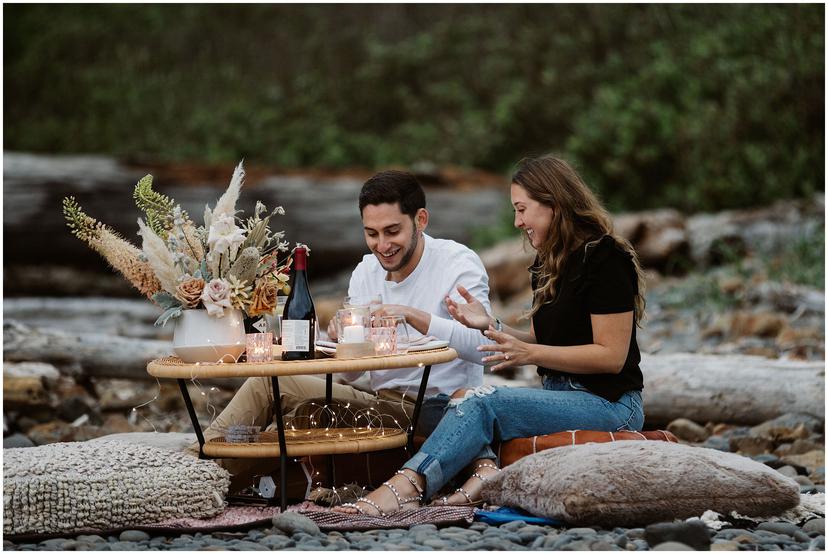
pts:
pixel 398 323
pixel 371 301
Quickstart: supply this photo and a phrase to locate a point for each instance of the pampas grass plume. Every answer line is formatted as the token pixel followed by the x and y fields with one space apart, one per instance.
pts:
pixel 227 203
pixel 160 259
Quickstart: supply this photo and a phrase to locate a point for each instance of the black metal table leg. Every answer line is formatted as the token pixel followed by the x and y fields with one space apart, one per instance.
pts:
pixel 182 384
pixel 280 429
pixel 328 401
pixel 417 405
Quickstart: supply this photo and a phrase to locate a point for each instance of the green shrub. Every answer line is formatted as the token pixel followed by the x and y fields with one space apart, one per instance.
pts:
pixel 697 107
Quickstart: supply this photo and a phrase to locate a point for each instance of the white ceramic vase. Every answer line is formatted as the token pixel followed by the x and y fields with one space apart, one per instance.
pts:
pixel 201 338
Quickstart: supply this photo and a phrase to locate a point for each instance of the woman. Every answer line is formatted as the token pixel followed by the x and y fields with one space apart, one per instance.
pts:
pixel 588 299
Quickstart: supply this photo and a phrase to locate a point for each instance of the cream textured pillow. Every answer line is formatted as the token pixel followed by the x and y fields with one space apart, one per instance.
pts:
pixel 64 487
pixel 637 482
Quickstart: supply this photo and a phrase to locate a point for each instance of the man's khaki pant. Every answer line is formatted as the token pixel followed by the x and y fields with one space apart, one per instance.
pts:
pixel 253 405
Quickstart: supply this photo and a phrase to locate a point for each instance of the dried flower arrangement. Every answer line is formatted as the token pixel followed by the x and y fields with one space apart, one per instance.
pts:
pixel 227 263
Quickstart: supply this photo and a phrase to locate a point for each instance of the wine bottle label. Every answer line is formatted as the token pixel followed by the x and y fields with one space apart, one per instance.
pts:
pixel 295 335
pixel 261 325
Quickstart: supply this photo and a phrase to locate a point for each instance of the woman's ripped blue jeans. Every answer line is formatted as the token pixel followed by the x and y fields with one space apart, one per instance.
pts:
pixel 493 414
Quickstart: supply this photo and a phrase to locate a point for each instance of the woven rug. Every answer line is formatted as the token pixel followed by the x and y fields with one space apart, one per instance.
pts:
pixel 243 517
pixel 325 518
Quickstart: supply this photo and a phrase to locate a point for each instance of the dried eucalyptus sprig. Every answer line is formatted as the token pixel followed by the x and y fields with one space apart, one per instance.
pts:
pixel 123 256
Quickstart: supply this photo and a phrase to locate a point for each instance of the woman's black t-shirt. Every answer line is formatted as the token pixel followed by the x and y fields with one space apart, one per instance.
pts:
pixel 595 279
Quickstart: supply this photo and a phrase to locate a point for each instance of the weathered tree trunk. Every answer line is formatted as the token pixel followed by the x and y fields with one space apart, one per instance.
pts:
pixel 321 211
pixel 735 389
pixel 86 354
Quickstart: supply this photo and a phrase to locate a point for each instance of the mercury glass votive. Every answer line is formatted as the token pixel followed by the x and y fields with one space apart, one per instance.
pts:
pixel 385 340
pixel 260 347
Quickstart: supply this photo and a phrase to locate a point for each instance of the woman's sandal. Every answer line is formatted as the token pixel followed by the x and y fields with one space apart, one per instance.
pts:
pixel 469 502
pixel 400 501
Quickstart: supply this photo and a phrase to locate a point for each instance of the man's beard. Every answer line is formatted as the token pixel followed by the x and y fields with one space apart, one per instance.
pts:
pixel 409 253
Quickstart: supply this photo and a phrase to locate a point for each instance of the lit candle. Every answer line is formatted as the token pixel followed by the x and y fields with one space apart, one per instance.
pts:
pixel 353 333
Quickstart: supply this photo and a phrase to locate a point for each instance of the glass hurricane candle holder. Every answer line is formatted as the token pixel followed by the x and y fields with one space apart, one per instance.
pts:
pixel 352 324
pixel 260 347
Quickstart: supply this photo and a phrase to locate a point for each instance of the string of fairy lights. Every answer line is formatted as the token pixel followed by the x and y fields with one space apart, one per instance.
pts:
pixel 310 421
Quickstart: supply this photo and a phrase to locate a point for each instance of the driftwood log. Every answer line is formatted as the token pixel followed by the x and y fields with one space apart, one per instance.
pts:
pixel 82 354
pixel 735 389
pixel 745 390
pixel 321 210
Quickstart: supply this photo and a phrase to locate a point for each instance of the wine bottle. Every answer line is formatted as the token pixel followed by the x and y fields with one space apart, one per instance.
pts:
pixel 299 318
pixel 257 324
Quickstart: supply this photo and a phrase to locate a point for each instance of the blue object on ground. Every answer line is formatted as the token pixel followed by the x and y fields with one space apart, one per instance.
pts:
pixel 505 514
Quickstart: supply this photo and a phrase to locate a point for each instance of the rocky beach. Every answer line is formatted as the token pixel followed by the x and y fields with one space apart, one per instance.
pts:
pixel 730 295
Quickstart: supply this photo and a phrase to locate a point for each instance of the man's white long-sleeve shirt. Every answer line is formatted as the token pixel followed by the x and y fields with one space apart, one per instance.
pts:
pixel 444 265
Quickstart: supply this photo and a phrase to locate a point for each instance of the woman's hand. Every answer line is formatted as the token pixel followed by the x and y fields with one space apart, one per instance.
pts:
pixel 508 350
pixel 471 314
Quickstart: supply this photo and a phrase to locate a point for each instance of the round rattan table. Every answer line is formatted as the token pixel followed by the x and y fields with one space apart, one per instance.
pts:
pixel 304 442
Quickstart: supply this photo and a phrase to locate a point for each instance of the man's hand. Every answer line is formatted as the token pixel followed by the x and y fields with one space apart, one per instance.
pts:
pixel 472 314
pixel 418 319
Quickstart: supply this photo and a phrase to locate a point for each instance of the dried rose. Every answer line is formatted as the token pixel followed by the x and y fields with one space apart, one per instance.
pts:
pixel 216 297
pixel 189 292
pixel 264 298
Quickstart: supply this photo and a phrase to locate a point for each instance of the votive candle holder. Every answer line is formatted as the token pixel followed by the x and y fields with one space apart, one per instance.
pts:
pixel 260 347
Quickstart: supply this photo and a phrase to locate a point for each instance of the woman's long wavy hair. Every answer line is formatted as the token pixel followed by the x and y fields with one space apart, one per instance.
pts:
pixel 578 220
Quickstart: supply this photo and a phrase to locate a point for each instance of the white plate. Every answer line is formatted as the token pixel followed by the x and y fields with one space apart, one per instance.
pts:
pixel 329 348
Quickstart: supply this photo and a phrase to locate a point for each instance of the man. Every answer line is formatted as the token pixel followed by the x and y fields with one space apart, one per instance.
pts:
pixel 414 273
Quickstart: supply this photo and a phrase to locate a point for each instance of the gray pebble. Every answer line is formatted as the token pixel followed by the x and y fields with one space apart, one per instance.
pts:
pixel 801 536
pixel 513 525
pixel 816 525
pixel 277 542
pixel 622 541
pixel 133 535
pixel 290 522
pixel 437 543
pixel 249 545
pixel 583 544
pixel 602 545
pixel 492 543
pixel 802 480
pixel 52 544
pixel 582 531
pixel 529 535
pixel 479 526
pixel 724 546
pixel 672 545
pixel 818 543
pixel 538 544
pixel 423 527
pixel 635 533
pixel 556 542
pixel 90 538
pixel 778 527
pixel 641 544
pixel 788 471
pixel 17 440
pixel 692 533
pixel 119 546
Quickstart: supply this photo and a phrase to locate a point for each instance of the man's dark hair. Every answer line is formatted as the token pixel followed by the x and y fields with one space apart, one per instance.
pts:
pixel 393 187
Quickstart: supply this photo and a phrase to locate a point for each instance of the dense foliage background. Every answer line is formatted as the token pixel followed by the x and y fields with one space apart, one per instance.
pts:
pixel 699 107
